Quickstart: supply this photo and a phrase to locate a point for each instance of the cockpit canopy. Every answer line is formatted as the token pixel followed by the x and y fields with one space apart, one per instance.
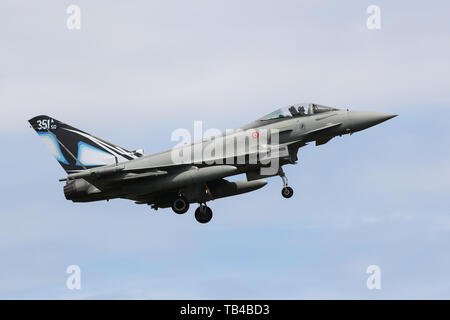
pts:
pixel 298 110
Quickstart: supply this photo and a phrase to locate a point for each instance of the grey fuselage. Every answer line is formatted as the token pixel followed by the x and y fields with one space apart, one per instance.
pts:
pixel 157 179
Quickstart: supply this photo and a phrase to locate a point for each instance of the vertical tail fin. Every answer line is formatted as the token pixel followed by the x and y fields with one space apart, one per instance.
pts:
pixel 77 150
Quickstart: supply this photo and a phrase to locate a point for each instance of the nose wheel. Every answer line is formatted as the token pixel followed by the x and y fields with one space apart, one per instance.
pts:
pixel 287 191
pixel 203 214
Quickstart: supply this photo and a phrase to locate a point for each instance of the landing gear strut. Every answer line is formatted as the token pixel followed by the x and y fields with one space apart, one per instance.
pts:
pixel 203 214
pixel 180 205
pixel 287 191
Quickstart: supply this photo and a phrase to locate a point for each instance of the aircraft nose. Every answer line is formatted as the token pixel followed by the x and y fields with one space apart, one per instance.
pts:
pixel 361 120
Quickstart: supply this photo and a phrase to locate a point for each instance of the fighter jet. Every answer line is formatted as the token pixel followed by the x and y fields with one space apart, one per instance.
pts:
pixel 195 172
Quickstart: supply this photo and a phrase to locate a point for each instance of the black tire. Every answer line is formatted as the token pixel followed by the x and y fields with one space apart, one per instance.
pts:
pixel 287 192
pixel 180 205
pixel 203 214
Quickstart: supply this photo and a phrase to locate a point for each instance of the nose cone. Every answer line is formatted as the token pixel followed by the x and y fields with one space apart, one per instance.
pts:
pixel 361 120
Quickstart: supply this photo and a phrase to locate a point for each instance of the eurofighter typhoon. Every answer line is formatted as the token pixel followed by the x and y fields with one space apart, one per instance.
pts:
pixel 195 172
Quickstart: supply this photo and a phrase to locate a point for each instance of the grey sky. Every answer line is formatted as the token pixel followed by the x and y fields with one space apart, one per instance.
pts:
pixel 138 70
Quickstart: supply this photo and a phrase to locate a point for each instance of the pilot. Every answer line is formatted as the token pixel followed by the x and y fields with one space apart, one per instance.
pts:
pixel 301 110
pixel 293 111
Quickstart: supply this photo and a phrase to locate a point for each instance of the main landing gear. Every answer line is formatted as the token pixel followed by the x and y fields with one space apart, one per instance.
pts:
pixel 287 191
pixel 180 205
pixel 203 213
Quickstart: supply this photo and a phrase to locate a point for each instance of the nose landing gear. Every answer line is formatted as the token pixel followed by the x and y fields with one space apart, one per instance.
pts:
pixel 287 191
